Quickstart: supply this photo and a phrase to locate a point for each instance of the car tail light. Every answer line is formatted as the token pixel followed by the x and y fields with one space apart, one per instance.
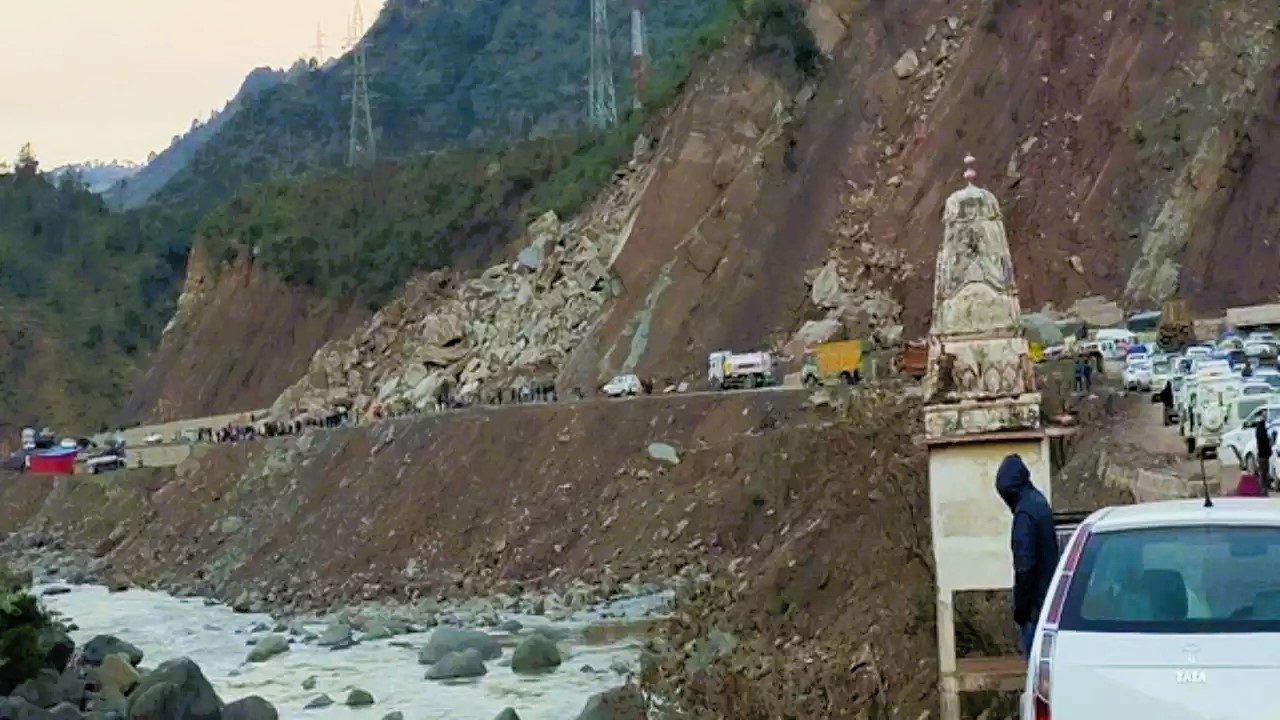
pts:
pixel 1041 689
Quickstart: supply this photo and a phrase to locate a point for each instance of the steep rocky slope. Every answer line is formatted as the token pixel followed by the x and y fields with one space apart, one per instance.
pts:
pixel 1130 143
pixel 239 337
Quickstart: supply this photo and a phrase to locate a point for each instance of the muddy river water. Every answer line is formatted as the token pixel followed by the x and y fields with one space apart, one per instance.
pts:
pixel 218 640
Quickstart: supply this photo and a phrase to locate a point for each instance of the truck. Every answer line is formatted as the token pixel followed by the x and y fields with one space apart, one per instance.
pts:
pixel 833 361
pixel 727 370
pixel 1175 330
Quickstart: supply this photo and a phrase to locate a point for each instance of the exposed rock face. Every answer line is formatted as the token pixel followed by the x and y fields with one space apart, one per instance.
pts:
pixel 446 337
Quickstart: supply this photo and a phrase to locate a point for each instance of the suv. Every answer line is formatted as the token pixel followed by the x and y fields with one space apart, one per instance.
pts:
pixel 1161 610
pixel 623 385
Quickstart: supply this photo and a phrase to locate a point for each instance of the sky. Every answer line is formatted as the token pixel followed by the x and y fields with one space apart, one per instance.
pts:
pixel 117 79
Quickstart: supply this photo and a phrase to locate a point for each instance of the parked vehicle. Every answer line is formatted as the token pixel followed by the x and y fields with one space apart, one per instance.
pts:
pixel 1213 398
pixel 1241 440
pixel 1137 373
pixel 833 361
pixel 154 438
pixel 1175 330
pixel 105 463
pixel 623 385
pixel 739 370
pixel 1161 610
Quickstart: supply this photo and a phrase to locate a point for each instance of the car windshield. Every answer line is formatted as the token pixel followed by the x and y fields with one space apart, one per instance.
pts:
pixel 1196 579
pixel 1245 407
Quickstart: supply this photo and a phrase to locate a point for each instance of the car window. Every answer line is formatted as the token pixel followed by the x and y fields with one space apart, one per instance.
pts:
pixel 1201 579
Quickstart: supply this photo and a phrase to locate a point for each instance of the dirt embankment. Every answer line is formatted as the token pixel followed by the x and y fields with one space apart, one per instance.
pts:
pixel 239 338
pixel 1131 144
pixel 821 512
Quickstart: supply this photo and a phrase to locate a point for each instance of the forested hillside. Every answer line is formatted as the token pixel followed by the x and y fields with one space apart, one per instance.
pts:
pixel 84 295
pixel 472 72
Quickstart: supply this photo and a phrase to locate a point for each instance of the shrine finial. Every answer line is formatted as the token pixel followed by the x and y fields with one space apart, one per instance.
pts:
pixel 970 174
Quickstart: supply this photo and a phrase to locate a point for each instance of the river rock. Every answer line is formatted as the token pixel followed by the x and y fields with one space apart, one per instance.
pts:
pixel 624 703
pixel 97 649
pixel 116 673
pixel 309 683
pixel 446 640
pixel 664 452
pixel 552 632
pixel 359 698
pixel 465 664
pixel 336 636
pixel 537 652
pixel 41 691
pixel 507 714
pixel 397 715
pixel 267 647
pixel 511 626
pixel 319 701
pixel 57 647
pixel 250 708
pixel 64 711
pixel 16 708
pixel 55 590
pixel 178 690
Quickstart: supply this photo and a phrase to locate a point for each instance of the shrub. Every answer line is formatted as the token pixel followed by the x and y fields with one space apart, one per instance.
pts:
pixel 21 622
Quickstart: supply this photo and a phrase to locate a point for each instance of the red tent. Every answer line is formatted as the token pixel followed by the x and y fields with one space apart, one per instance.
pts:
pixel 52 462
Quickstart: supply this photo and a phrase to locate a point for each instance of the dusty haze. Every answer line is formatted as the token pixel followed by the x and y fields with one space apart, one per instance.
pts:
pixel 88 79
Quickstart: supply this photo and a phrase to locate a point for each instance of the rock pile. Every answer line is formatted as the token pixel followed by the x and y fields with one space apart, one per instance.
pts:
pixel 104 682
pixel 855 307
pixel 451 338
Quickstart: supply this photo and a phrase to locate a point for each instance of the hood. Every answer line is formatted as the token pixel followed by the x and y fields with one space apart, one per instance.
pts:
pixel 1012 477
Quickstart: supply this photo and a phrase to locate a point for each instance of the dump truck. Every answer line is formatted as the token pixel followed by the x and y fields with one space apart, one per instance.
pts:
pixel 1175 330
pixel 833 361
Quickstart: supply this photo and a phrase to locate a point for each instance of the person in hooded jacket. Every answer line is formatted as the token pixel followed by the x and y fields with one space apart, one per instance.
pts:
pixel 1034 543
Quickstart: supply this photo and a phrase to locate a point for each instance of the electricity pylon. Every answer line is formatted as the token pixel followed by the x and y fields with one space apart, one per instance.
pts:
pixel 639 57
pixel 362 148
pixel 603 103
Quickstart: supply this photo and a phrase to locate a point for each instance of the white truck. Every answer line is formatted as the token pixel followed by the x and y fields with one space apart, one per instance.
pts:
pixel 1214 398
pixel 727 369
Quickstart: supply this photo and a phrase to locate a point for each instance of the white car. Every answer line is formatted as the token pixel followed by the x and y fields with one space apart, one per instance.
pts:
pixel 1166 610
pixel 1137 374
pixel 154 438
pixel 621 385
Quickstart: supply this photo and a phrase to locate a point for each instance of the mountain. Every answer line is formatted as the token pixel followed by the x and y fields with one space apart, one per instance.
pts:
pixel 138 187
pixel 473 72
pixel 84 293
pixel 95 175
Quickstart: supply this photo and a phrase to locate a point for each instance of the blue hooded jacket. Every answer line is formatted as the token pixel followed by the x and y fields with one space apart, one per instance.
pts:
pixel 1033 540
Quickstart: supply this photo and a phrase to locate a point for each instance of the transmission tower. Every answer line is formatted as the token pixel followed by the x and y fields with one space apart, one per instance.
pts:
pixel 603 111
pixel 319 44
pixel 639 58
pixel 362 148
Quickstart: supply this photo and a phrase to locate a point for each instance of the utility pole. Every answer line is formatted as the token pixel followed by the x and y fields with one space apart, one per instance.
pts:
pixel 639 58
pixel 361 148
pixel 319 45
pixel 603 103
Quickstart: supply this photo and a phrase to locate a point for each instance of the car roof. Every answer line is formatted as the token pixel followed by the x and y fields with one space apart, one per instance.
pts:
pixel 1185 513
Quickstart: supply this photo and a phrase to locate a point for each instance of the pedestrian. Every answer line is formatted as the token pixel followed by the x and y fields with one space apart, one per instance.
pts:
pixel 1250 486
pixel 1262 438
pixel 1079 373
pixel 1034 543
pixel 1088 373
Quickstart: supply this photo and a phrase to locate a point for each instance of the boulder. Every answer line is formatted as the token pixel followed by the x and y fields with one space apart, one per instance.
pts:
pixel 319 701
pixel 267 647
pixel 664 453
pixel 97 649
pixel 446 640
pixel 57 647
pixel 309 683
pixel 826 292
pixel 624 703
pixel 907 65
pixel 359 698
pixel 250 708
pixel 397 715
pixel 536 653
pixel 177 690
pixel 16 708
pixel 116 673
pixel 510 625
pixel 507 714
pixel 465 664
pixel 337 635
pixel 64 711
pixel 41 691
pixel 815 332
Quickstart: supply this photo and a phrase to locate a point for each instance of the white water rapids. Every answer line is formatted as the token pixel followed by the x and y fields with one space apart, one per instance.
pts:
pixel 218 640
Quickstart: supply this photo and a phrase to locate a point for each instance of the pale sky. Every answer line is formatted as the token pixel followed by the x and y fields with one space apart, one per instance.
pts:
pixel 116 79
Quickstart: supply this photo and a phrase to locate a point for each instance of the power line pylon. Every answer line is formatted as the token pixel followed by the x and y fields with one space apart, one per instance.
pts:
pixel 362 148
pixel 319 44
pixel 639 57
pixel 603 102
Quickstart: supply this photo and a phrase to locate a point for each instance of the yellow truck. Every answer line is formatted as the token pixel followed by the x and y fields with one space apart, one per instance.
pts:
pixel 833 361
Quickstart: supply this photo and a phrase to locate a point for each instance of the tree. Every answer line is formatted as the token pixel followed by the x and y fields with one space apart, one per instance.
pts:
pixel 27 163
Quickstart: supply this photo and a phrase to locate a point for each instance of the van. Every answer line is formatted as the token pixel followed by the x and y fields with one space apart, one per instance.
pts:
pixel 1214 397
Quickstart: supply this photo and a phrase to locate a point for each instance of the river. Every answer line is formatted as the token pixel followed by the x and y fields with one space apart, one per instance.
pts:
pixel 218 639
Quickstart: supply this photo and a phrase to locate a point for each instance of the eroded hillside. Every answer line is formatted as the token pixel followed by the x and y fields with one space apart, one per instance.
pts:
pixel 1129 142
